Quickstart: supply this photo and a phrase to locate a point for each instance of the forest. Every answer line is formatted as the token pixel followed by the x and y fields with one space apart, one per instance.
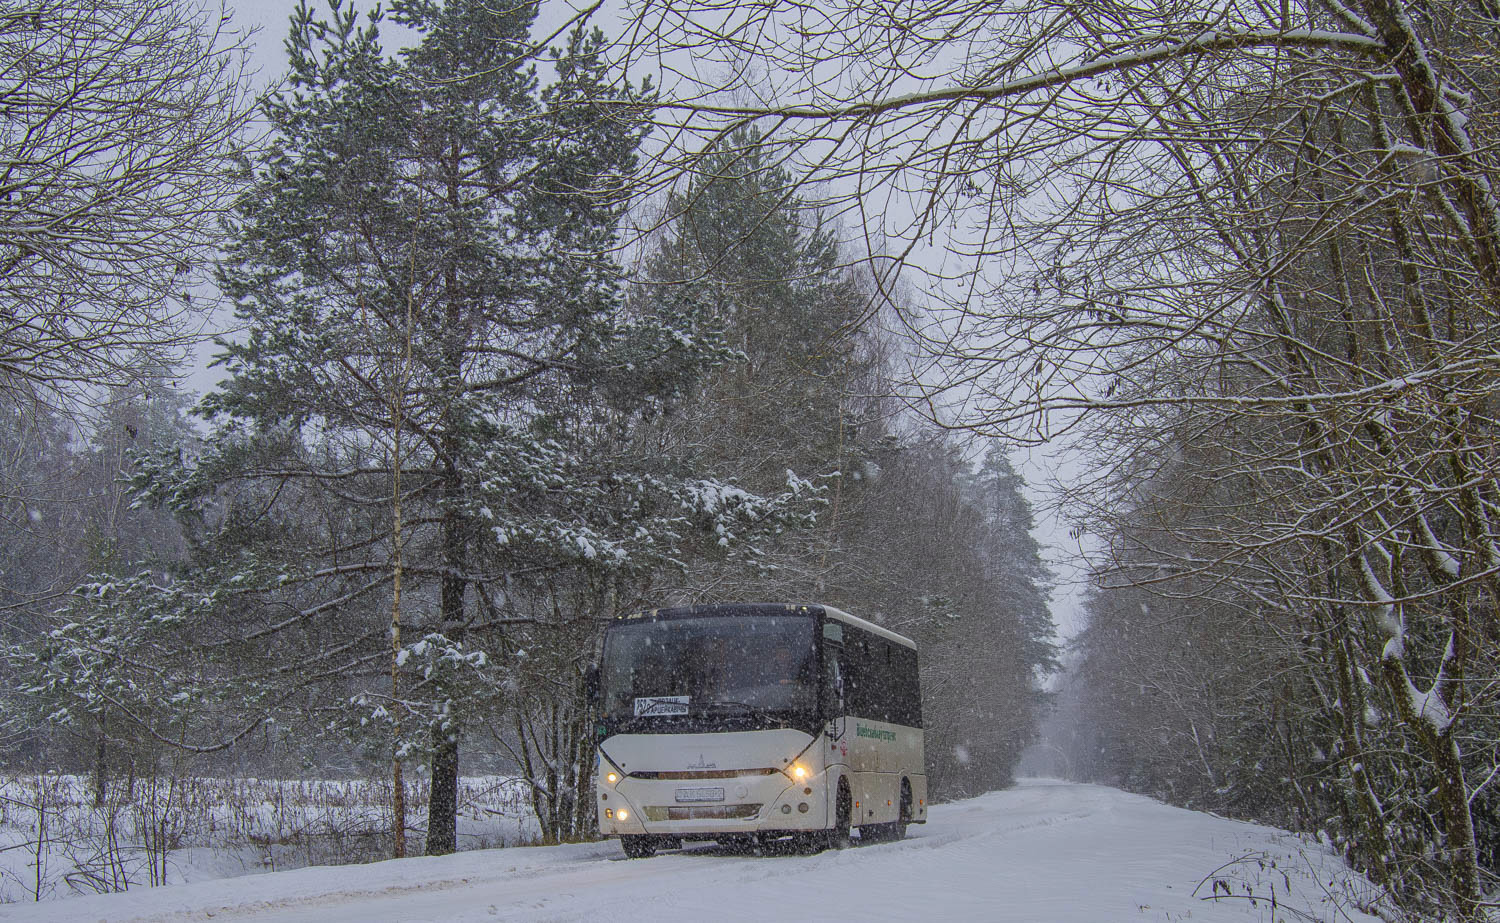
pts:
pixel 478 394
pixel 691 300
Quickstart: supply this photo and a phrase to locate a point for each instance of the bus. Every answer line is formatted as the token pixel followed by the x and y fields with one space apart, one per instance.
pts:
pixel 749 723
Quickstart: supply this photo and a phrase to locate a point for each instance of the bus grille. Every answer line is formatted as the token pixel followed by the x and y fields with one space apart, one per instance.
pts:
pixel 703 774
pixel 702 812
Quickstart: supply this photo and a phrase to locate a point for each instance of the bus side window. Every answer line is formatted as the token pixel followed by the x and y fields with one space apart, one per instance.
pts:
pixel 857 677
pixel 863 676
pixel 909 686
pixel 887 690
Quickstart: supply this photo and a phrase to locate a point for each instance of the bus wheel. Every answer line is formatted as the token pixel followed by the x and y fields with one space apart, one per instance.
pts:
pixel 898 829
pixel 638 847
pixel 809 844
pixel 838 837
pixel 893 830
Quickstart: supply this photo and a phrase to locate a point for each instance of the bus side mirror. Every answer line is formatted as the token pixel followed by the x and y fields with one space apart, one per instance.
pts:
pixel 833 680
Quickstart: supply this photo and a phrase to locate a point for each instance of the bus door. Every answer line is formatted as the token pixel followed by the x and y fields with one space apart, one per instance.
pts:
pixel 835 709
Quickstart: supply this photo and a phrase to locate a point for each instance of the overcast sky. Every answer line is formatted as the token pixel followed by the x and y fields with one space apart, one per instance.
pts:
pixel 269 19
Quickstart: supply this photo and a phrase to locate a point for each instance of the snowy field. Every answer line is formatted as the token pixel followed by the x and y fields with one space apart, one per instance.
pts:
pixel 56 843
pixel 1044 851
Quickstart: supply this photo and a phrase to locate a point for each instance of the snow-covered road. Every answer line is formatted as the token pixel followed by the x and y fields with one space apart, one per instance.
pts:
pixel 1044 851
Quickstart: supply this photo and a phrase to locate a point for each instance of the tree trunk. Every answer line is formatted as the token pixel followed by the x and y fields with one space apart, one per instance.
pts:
pixel 101 767
pixel 442 799
pixel 442 803
pixel 1370 840
pixel 1449 789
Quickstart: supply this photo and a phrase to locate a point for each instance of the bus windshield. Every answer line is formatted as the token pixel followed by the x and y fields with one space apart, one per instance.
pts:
pixel 709 667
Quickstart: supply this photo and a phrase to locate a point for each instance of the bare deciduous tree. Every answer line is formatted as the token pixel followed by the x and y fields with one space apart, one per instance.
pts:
pixel 1270 230
pixel 119 119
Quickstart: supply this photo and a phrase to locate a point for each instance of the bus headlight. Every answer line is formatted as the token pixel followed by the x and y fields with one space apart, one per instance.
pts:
pixel 799 772
pixel 622 814
pixel 612 778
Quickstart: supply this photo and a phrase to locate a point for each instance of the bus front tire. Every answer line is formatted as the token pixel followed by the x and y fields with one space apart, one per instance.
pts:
pixel 810 844
pixel 637 846
pixel 840 836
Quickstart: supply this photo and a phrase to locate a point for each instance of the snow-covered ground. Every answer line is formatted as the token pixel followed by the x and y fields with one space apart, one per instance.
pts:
pixel 1044 851
pixel 56 842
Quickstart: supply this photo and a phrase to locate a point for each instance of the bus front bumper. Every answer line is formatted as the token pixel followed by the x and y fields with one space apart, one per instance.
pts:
pixel 741 804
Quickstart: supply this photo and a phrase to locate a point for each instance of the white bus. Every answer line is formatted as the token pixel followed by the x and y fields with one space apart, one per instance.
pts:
pixel 752 722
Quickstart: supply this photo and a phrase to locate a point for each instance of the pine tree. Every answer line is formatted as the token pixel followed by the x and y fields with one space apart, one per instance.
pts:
pixel 402 188
pixel 68 518
pixel 427 235
pixel 745 248
pixel 432 186
pixel 765 275
pixel 1011 556
pixel 909 536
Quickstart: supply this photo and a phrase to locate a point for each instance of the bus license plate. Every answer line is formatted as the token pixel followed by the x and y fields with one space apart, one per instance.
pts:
pixel 685 795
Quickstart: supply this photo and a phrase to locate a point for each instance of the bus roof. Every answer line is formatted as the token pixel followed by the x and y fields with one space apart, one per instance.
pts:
pixel 733 609
pixel 871 627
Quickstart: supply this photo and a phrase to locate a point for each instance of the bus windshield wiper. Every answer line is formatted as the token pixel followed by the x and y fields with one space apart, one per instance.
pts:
pixel 728 703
